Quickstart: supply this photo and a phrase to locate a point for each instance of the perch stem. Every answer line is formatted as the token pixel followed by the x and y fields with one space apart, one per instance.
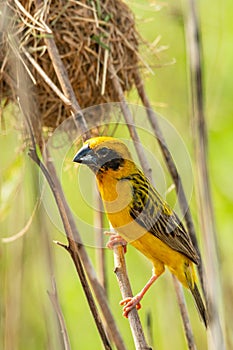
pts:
pixel 184 314
pixel 126 291
pixel 100 250
pixel 206 212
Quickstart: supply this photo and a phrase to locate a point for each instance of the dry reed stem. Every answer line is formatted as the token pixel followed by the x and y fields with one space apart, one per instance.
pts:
pixel 99 241
pixel 72 247
pixel 206 212
pixel 184 314
pixel 55 302
pixel 126 291
pixel 76 249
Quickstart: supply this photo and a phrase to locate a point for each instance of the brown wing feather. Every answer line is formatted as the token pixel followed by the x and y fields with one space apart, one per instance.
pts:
pixel 149 210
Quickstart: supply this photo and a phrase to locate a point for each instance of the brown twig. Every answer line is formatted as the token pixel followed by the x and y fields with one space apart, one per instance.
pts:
pixel 72 247
pixel 100 250
pixel 78 248
pixel 126 291
pixel 55 302
pixel 184 314
pixel 206 212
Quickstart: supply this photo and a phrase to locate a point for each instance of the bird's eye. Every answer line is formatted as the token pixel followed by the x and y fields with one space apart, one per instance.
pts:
pixel 103 152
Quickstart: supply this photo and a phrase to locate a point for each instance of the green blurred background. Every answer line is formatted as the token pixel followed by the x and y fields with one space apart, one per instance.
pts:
pixel 27 265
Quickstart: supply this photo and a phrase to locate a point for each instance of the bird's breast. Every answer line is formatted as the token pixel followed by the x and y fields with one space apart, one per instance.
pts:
pixel 117 197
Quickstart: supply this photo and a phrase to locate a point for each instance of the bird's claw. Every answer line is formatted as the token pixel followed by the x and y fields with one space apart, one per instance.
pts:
pixel 114 240
pixel 129 303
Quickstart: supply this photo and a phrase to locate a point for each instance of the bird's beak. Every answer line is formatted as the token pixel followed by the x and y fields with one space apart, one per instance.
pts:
pixel 86 156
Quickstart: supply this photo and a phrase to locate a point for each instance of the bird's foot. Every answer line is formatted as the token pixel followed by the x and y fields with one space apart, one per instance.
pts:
pixel 129 303
pixel 115 240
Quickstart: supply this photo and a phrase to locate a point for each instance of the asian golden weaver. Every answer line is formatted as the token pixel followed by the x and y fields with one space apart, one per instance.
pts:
pixel 140 216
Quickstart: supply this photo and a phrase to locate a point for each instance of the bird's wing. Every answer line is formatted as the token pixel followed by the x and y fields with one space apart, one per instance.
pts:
pixel 150 211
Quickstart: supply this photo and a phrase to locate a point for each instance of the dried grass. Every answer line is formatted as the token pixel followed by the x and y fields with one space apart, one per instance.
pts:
pixel 89 35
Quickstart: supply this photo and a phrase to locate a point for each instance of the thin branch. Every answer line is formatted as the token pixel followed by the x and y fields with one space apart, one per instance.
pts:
pixel 206 212
pixel 184 314
pixel 72 248
pixel 54 300
pixel 126 291
pixel 78 248
pixel 100 250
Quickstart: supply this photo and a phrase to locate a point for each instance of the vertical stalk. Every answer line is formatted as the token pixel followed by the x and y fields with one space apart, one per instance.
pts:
pixel 126 291
pixel 206 213
pixel 100 250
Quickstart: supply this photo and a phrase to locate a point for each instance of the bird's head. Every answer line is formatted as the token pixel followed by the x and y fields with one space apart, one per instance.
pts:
pixel 103 153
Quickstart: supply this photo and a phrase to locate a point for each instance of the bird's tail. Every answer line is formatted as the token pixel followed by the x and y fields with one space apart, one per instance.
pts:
pixel 200 305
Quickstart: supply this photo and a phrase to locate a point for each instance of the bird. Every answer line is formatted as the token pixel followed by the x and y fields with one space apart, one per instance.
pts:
pixel 141 217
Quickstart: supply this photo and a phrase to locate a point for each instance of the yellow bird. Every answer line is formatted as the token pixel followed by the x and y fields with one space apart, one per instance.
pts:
pixel 140 216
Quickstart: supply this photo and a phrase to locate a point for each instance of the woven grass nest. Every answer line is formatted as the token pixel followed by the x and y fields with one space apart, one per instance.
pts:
pixel 88 35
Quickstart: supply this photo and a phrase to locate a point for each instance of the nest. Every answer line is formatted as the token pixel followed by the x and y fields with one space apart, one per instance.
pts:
pixel 89 35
